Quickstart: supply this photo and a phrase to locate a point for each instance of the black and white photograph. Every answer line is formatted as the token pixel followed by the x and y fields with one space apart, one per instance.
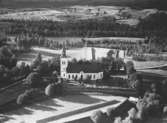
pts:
pixel 83 61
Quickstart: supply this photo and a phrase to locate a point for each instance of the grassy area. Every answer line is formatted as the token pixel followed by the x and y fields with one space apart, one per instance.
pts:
pixel 60 107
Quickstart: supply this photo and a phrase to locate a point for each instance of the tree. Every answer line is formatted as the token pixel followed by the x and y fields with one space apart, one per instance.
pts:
pixel 54 76
pixel 74 60
pixel 135 81
pixel 3 38
pixel 54 63
pixel 43 68
pixel 110 54
pixel 34 80
pixel 130 68
pixel 24 69
pixel 7 57
pixel 2 74
pixel 153 103
pixel 37 61
pixel 118 64
pixel 14 71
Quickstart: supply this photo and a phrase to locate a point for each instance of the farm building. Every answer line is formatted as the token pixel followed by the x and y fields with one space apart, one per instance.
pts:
pixel 79 70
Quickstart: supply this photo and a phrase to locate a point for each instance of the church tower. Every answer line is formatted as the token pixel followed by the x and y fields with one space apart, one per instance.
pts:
pixel 63 62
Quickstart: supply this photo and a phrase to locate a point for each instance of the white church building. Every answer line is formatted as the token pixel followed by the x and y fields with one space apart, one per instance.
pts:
pixel 79 70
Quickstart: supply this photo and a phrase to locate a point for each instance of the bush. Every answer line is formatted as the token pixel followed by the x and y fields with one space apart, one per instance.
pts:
pixel 118 120
pixel 130 67
pixel 135 81
pixel 124 107
pixel 100 117
pixel 111 113
pixel 142 108
pixel 43 68
pixel 7 57
pixel 5 76
pixel 54 77
pixel 54 89
pixel 131 118
pixel 132 113
pixel 165 110
pixel 87 80
pixel 139 58
pixel 115 81
pixel 26 96
pixel 50 90
pixel 22 98
pixel 149 105
pixel 32 92
pixel 23 69
pixel 37 61
pixel 34 80
pixel 59 89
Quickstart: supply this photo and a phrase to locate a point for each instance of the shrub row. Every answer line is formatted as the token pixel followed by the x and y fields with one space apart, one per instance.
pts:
pixel 149 58
pixel 54 89
pixel 115 81
pixel 109 116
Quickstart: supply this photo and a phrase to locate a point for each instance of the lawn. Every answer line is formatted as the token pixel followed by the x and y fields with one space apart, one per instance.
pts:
pixel 58 108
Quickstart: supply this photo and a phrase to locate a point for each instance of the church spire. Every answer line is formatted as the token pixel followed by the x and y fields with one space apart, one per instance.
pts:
pixel 93 53
pixel 64 51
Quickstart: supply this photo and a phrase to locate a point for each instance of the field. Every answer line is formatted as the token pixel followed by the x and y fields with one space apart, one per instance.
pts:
pixel 123 15
pixel 161 4
pixel 78 53
pixel 61 107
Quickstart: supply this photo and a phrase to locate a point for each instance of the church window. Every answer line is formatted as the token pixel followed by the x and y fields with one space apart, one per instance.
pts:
pixel 94 76
pixel 63 62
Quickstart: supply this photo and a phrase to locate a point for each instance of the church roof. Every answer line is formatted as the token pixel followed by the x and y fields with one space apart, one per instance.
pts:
pixel 86 67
